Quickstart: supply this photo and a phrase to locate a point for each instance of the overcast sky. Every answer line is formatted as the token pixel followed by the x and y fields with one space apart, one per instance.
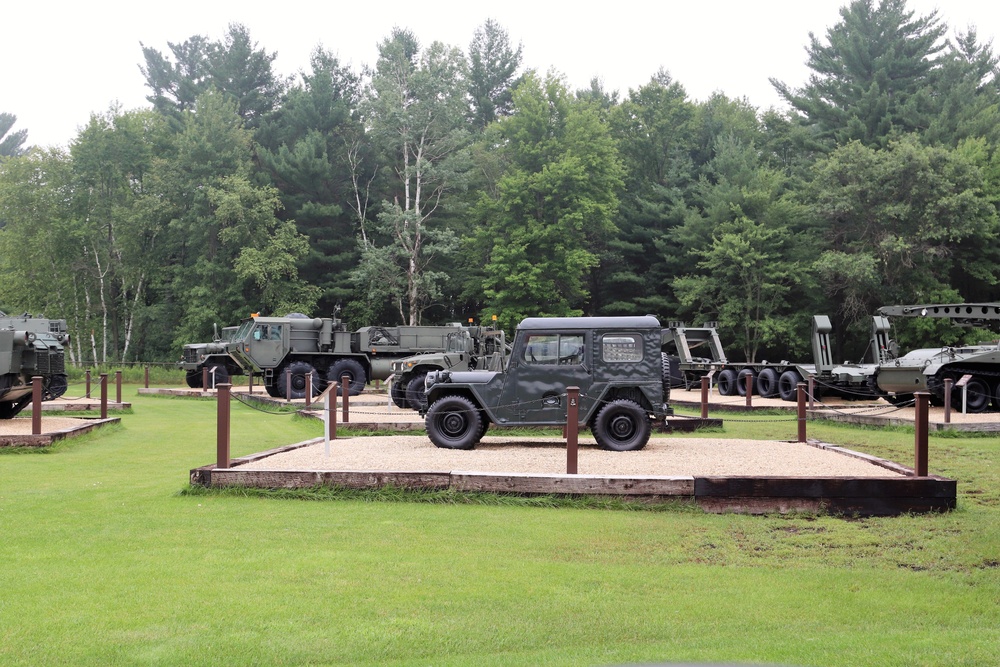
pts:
pixel 62 61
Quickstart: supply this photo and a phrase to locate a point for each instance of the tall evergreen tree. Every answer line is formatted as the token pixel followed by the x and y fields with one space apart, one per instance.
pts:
pixel 11 143
pixel 493 65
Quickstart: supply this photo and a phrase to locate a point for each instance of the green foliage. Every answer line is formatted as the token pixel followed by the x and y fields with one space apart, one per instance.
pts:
pixel 11 143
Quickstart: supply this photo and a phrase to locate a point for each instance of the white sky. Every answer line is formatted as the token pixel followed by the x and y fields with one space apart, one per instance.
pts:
pixel 62 61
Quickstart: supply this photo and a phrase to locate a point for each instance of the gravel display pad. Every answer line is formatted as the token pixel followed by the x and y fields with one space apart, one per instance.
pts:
pixel 22 425
pixel 536 455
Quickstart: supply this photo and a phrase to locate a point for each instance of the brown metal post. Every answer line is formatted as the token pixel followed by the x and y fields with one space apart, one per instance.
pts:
pixel 36 405
pixel 332 424
pixel 222 426
pixel 378 384
pixel 104 395
pixel 309 389
pixel 146 381
pixel 920 433
pixel 250 375
pixel 704 396
pixel 812 389
pixel 88 383
pixel 749 383
pixel 288 387
pixel 118 388
pixel 572 428
pixel 948 382
pixel 801 391
pixel 204 378
pixel 345 388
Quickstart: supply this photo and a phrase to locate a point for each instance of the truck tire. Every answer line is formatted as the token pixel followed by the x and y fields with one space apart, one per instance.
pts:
pixel 977 395
pixel 397 392
pixel 767 383
pixel 56 387
pixel 741 382
pixel 453 422
pixel 352 369
pixel 669 374
pixel 415 397
pixel 788 385
pixel 727 382
pixel 193 379
pixel 622 426
pixel 298 371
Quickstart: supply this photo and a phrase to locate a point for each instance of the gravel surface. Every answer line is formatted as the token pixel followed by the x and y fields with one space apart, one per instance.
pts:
pixel 22 425
pixel 661 457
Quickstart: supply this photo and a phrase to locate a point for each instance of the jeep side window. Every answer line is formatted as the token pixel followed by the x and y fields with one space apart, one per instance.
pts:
pixel 621 347
pixel 554 349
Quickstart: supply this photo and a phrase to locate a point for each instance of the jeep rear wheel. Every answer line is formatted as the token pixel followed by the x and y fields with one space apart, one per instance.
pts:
pixel 453 422
pixel 621 426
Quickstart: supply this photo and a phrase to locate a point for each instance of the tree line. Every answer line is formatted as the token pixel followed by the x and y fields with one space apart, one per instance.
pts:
pixel 443 184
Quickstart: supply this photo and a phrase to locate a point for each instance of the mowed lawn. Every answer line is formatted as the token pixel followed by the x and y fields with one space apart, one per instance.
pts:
pixel 107 558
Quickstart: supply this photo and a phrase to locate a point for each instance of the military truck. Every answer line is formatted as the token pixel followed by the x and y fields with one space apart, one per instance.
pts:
pixel 926 369
pixel 680 342
pixel 780 379
pixel 30 346
pixel 471 348
pixel 214 356
pixel 285 350
pixel 616 362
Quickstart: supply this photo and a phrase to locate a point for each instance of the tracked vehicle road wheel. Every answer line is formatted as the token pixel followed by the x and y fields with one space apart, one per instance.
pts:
pixel 727 382
pixel 454 422
pixel 622 426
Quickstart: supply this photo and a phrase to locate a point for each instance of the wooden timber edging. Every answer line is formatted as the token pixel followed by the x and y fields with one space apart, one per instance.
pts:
pixel 46 439
pixel 853 496
pixel 880 420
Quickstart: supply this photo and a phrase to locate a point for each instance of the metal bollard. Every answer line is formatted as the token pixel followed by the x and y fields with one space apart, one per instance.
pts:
pixel 146 381
pixel 88 383
pixel 104 395
pixel 222 438
pixel 309 389
pixel 801 395
pixel 118 388
pixel 812 389
pixel 749 383
pixel 204 378
pixel 331 422
pixel 36 405
pixel 572 429
pixel 920 433
pixel 345 387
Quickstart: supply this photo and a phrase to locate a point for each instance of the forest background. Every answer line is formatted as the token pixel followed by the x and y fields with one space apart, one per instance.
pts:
pixel 443 184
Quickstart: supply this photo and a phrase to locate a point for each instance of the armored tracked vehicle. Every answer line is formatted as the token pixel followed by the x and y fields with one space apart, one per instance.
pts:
pixel 927 369
pixel 213 356
pixel 285 350
pixel 30 346
pixel 616 362
pixel 471 348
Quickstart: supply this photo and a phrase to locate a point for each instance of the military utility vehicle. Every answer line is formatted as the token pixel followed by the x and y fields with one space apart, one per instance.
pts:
pixel 471 348
pixel 286 350
pixel 30 346
pixel 214 356
pixel 616 362
pixel 927 369
pixel 847 380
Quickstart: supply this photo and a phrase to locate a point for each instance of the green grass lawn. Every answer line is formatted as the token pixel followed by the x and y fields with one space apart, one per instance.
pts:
pixel 106 558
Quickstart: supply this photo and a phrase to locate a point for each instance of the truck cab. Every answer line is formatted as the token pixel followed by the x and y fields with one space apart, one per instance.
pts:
pixel 616 362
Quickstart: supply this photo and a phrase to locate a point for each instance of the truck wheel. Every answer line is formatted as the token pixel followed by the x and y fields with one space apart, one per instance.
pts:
pixel 741 382
pixel 670 374
pixel 622 426
pixel 193 379
pixel 978 395
pixel 56 388
pixel 453 422
pixel 727 382
pixel 352 369
pixel 788 385
pixel 415 397
pixel 298 371
pixel 272 391
pixel 398 393
pixel 767 383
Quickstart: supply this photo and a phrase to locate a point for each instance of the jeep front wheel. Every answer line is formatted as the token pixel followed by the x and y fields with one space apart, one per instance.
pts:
pixel 622 426
pixel 453 422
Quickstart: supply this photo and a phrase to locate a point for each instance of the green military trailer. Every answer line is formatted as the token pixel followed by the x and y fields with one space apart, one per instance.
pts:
pixel 470 348
pixel 30 346
pixel 616 362
pixel 214 357
pixel 285 351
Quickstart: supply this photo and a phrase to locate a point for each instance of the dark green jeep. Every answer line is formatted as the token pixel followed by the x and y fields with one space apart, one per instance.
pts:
pixel 616 362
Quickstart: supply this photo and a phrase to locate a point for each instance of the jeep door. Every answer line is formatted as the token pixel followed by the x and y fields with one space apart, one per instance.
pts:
pixel 541 367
